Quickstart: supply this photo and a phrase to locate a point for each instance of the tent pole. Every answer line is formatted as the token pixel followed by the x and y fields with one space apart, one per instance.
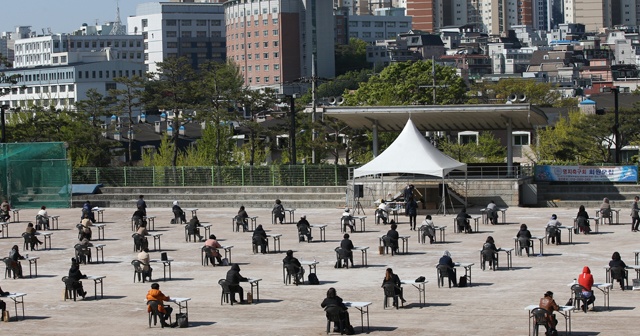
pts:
pixel 444 198
pixel 466 189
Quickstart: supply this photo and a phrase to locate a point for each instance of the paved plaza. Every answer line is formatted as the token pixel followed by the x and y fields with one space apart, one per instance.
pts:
pixel 494 304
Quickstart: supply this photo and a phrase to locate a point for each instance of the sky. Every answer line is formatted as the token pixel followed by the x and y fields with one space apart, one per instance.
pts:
pixel 63 16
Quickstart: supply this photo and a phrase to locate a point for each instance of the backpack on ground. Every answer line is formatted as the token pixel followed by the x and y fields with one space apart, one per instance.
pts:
pixel 463 281
pixel 225 262
pixel 349 330
pixel 182 320
pixel 173 221
pixel 313 279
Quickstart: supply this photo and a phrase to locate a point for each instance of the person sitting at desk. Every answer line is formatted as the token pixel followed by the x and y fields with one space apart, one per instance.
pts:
pixel 347 245
pixel 138 218
pixel 87 212
pixel 34 239
pixel 293 266
pixel 244 217
pixel 75 275
pixel 391 279
pixel 393 236
pixel 15 257
pixel 383 211
pixel 154 294
pixel 85 231
pixel 4 211
pixel 142 231
pixel 145 259
pixel 278 211
pixel 524 238
pixel 304 229
pixel 83 251
pixel 492 212
pixel 192 228
pixel 582 218
pixel 333 301
pixel 259 238
pixel 447 261
pixel 142 205
pixel 179 216
pixel 616 262
pixel 553 229
pixel 234 279
pixel 429 229
pixel 489 251
pixel 605 209
pixel 462 220
pixel 42 218
pixel 347 221
pixel 549 304
pixel 213 245
pixel 586 281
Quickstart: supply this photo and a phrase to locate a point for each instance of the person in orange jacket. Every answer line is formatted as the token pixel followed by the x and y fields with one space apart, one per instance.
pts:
pixel 156 295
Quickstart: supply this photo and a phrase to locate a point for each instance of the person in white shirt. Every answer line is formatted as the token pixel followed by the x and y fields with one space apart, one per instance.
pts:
pixel 552 229
pixel 145 259
pixel 347 220
pixel 383 211
pixel 492 212
pixel 42 218
pixel 428 229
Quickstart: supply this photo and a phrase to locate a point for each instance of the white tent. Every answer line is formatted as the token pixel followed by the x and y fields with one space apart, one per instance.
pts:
pixel 412 153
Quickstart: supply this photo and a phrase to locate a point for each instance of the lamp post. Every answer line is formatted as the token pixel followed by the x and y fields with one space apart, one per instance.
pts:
pixel 2 122
pixel 616 123
pixel 292 126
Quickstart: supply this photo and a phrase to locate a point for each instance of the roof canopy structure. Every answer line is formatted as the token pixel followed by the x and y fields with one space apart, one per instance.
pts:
pixel 441 117
pixel 411 153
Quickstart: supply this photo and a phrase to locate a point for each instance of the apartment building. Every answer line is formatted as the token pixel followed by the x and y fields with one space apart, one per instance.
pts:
pixel 385 24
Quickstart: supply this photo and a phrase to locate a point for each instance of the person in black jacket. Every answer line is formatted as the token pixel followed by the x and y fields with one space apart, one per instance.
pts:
pixel 333 301
pixel 304 229
pixel 524 238
pixel 412 212
pixel 142 205
pixel 293 265
pixel 192 228
pixel 392 279
pixel 76 276
pixel 234 278
pixel 243 216
pixel 347 245
pixel 582 219
pixel 489 251
pixel 616 261
pixel 178 214
pixel 260 239
pixel 462 220
pixel 446 260
pixel 393 237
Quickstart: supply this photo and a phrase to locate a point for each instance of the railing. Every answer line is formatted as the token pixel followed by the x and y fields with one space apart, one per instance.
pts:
pixel 275 175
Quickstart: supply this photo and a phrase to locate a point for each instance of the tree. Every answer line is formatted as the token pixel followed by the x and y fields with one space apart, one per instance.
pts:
pixel 129 101
pixel 409 83
pixel 337 87
pixel 351 57
pixel 94 109
pixel 488 149
pixel 536 93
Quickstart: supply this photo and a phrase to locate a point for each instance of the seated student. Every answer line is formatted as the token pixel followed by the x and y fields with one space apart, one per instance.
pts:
pixel 138 218
pixel 347 220
pixel 392 279
pixel 42 218
pixel 244 217
pixel 304 229
pixel 292 264
pixel 333 301
pixel 586 281
pixel 347 245
pixel 4 211
pixel 178 214
pixel 616 262
pixel 33 233
pixel 192 228
pixel 15 258
pixel 259 238
pixel 142 231
pixel 582 218
pixel 393 237
pixel 278 211
pixel 553 229
pixel 605 209
pixel 492 212
pixel 154 294
pixel 383 211
pixel 234 279
pixel 83 250
pixel 87 212
pixel 447 261
pixel 462 220
pixel 213 244
pixel 428 229
pixel 75 275
pixel 524 238
pixel 145 260
pixel 549 304
pixel 85 233
pixel 489 251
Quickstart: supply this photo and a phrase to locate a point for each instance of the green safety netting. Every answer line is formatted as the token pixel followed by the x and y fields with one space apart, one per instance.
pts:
pixel 35 174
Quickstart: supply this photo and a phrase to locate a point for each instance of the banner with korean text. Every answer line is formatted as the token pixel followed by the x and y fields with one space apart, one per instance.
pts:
pixel 586 173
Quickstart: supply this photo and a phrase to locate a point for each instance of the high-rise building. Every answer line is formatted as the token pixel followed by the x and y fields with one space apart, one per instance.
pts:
pixel 275 42
pixel 594 14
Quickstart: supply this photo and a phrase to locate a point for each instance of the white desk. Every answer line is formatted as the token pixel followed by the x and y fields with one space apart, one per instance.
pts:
pixel 47 238
pixel 165 264
pixel 476 220
pixel 516 245
pixel 440 229
pixel 629 267
pixel 18 299
pixel 276 241
pixel 363 307
pixel 565 311
pixel 16 216
pixel 100 227
pixel 97 279
pixel 53 222
pixel 485 218
pixel 99 252
pixel 194 211
pixel 32 261
pixel 363 225
pixel 637 253
pixel 156 238
pixel 420 286
pixel 227 254
pixel 255 283
pixel 602 218
pixel 596 221
pixel 183 303
pixel 507 251
pixel 403 238
pixel 570 230
pixel 4 227
pixel 362 249
pixel 467 270
pixel 311 263
pixel 605 288
pixel 151 223
pixel 99 214
pixel 322 228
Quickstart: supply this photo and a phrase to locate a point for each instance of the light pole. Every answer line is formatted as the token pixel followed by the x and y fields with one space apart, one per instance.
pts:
pixel 292 126
pixel 616 123
pixel 2 122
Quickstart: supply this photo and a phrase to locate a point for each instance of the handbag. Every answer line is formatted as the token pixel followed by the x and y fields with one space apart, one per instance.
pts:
pixel 420 279
pixel 182 320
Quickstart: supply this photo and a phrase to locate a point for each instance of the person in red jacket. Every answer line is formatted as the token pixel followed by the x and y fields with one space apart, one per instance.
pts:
pixel 586 281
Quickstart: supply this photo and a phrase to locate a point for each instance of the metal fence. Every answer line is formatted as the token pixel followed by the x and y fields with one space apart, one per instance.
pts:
pixel 275 175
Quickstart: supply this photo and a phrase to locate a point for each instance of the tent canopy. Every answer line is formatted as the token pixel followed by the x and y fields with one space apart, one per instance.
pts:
pixel 411 153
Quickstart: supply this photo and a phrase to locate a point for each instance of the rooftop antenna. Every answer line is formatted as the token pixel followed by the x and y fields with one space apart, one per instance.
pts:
pixel 118 28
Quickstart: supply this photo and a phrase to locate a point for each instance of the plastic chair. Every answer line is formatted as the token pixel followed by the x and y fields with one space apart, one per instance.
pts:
pixel 257 243
pixel 137 270
pixel 539 316
pixel 155 314
pixel 579 298
pixel 208 256
pixel 292 272
pixel 347 221
pixel 390 292
pixel 303 234
pixel 69 290
pixel 83 253
pixel 388 244
pixel 443 272
pixel 189 233
pixel 9 268
pixel 226 295
pixel 237 223
pixel 525 243
pixel 342 257
pixel 334 314
pixel 621 275
pixel 491 257
pixel 27 242
pixel 138 242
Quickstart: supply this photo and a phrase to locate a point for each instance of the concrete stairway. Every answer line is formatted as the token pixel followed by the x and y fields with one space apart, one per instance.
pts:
pixel 590 195
pixel 219 197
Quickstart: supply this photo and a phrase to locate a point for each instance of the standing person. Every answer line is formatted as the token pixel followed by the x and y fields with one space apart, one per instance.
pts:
pixel 213 244
pixel 553 229
pixel 393 237
pixel 586 281
pixel 549 304
pixel 145 259
pixel 447 261
pixel 391 279
pixel 178 214
pixel 347 245
pixel 462 220
pixel 15 257
pixel 333 301
pixel 75 275
pixel 412 211
pixel 278 211
pixel 429 229
pixel 524 238
pixel 42 218
pixel 582 218
pixel 304 229
pixel 635 216
pixel 192 228
pixel 234 279
pixel 408 197
pixel 616 261
pixel 492 212
pixel 244 217
pixel 260 239
pixel 154 294
pixel 292 264
pixel 142 205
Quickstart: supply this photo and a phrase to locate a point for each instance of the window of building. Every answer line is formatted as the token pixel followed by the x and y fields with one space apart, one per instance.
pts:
pixel 276 79
pixel 54 60
pixel 170 23
pixel 185 23
pixel 186 33
pixel 353 34
pixel 257 79
pixel 265 55
pixel 366 23
pixel 379 34
pixel 275 21
pixel 257 56
pixel 275 32
pixel 276 43
pixel 467 137
pixel 266 67
pixel 216 23
pixel 257 45
pixel 144 23
pixel 276 54
pixel 265 33
pixel 378 24
pixel 266 79
pixel 391 24
pixel 276 66
pixel 109 86
pixel 265 22
pixel 265 44
pixel 353 23
pixel 201 34
pixel 521 138
pixel 201 23
pixel 172 45
pixel 403 24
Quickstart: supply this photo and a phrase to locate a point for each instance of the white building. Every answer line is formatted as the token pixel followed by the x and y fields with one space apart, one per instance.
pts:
pixel 174 29
pixel 386 24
